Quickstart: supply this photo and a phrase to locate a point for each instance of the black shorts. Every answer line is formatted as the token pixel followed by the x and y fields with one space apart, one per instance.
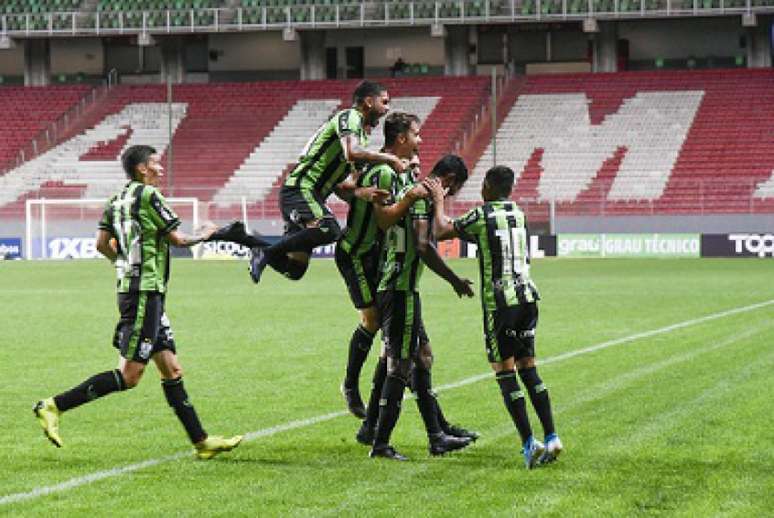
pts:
pixel 400 314
pixel 510 332
pixel 300 206
pixel 360 274
pixel 143 329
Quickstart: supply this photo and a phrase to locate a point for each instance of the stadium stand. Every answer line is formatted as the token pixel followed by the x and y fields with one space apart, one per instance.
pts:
pixel 634 143
pixel 218 130
pixel 42 14
pixel 28 111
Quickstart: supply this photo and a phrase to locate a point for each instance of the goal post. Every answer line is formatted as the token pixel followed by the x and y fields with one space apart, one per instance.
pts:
pixel 65 228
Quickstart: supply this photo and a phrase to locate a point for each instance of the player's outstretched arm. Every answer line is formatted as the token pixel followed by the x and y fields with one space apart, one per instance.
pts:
pixel 443 228
pixel 180 239
pixel 106 245
pixel 388 215
pixel 348 190
pixel 430 256
pixel 356 152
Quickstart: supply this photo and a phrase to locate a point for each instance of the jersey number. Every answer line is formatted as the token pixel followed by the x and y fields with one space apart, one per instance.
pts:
pixel 512 244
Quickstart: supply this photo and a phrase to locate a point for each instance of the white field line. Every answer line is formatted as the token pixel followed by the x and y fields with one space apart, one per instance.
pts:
pixel 302 423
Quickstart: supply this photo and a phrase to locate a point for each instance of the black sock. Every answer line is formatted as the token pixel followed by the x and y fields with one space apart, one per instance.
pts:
pixel 95 387
pixel 253 241
pixel 389 409
pixel 246 239
pixel 445 426
pixel 513 398
pixel 538 394
pixel 178 400
pixel 359 345
pixel 302 241
pixel 377 385
pixel 428 407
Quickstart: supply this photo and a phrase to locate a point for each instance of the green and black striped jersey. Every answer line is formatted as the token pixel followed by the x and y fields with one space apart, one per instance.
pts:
pixel 499 230
pixel 362 232
pixel 322 164
pixel 400 264
pixel 139 219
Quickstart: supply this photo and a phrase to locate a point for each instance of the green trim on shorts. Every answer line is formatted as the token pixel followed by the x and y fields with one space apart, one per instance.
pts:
pixel 408 325
pixel 491 337
pixel 315 207
pixel 365 292
pixel 139 320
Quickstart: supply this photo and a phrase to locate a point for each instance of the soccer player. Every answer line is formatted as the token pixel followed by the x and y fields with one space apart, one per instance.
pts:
pixel 509 300
pixel 135 232
pixel 408 247
pixel 357 252
pixel 325 163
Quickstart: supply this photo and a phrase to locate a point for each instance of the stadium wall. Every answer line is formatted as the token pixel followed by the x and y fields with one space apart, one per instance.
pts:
pixel 265 54
pixel 258 51
pixel 706 223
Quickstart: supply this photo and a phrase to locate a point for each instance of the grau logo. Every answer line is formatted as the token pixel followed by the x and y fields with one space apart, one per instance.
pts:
pixel 761 245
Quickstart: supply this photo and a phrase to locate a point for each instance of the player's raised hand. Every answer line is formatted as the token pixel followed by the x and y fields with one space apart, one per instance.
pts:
pixel 418 191
pixel 436 189
pixel 372 194
pixel 463 287
pixel 399 164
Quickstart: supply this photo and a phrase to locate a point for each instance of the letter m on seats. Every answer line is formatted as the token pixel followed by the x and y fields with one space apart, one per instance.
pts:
pixel 651 126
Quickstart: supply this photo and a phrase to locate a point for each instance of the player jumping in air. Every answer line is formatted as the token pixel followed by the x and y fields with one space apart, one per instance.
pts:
pixel 325 164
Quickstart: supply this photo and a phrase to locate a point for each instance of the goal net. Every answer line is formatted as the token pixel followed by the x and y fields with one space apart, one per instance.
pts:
pixel 66 228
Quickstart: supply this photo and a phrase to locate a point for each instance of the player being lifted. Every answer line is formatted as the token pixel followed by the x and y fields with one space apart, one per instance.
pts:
pixel 509 300
pixel 325 163
pixel 408 246
pixel 135 232
pixel 357 252
pixel 357 257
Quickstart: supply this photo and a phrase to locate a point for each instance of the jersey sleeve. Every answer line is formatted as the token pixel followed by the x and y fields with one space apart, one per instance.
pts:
pixel 106 221
pixel 468 224
pixel 162 214
pixel 349 121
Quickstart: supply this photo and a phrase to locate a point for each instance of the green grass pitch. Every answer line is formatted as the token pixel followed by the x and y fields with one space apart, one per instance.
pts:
pixel 671 422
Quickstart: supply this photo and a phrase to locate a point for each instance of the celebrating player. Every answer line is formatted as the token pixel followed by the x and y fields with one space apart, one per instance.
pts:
pixel 135 231
pixel 325 163
pixel 509 299
pixel 407 247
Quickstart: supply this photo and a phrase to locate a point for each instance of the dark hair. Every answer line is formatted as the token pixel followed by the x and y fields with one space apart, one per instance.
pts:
pixel 397 123
pixel 451 164
pixel 366 89
pixel 135 156
pixel 500 180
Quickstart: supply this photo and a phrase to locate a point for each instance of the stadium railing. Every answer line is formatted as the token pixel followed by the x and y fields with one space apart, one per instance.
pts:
pixel 186 16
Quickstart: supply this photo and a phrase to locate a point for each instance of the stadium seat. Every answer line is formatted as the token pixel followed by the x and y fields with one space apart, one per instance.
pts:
pixel 217 156
pixel 641 142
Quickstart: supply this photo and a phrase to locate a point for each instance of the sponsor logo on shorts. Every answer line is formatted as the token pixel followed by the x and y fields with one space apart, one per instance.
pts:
pixel 145 349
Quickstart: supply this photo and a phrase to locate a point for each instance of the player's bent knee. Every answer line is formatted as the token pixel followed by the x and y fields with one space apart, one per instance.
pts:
pixel 330 226
pixel 296 270
pixel 132 373
pixel 399 368
pixel 369 317
pixel 131 380
pixel 425 361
